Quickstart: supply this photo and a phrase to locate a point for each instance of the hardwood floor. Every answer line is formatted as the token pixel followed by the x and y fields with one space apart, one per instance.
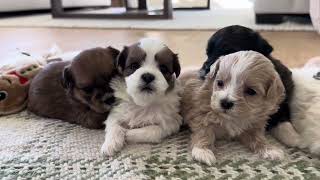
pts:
pixel 293 48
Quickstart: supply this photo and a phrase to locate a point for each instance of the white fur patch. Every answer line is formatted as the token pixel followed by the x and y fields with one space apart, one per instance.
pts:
pixel 272 153
pixel 305 108
pixel 114 140
pixel 203 155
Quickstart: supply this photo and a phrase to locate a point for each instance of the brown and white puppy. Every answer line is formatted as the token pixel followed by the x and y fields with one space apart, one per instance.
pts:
pixel 149 101
pixel 235 100
pixel 76 91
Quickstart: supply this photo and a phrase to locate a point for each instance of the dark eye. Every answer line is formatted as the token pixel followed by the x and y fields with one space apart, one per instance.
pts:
pixel 88 89
pixel 110 100
pixel 134 66
pixel 164 69
pixel 3 95
pixel 220 83
pixel 250 92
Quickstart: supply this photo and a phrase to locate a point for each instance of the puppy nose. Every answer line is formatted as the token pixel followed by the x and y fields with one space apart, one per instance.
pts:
pixel 147 77
pixel 226 104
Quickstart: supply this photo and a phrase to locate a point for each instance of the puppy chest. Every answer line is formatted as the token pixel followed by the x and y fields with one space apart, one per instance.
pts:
pixel 220 132
pixel 138 116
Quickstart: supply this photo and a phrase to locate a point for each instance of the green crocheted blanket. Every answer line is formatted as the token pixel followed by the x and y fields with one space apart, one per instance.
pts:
pixel 32 147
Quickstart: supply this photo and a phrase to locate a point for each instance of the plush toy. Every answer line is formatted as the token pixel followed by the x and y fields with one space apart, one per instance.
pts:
pixel 16 73
pixel 14 87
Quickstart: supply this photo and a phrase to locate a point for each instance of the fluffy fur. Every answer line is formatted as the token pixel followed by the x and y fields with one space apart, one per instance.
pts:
pixel 235 100
pixel 305 106
pixel 238 38
pixel 148 110
pixel 76 91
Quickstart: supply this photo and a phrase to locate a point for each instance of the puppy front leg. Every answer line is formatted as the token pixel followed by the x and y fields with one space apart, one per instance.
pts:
pixel 114 139
pixel 286 134
pixel 202 141
pixel 255 140
pixel 147 134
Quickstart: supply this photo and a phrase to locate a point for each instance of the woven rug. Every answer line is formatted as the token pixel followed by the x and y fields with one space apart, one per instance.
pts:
pixel 32 147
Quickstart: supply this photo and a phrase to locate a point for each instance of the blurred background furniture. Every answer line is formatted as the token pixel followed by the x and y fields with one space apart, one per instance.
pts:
pixel 315 13
pixel 14 6
pixel 273 11
pixel 118 10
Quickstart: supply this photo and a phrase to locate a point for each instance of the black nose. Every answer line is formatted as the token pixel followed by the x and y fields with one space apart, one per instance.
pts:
pixel 226 104
pixel 147 77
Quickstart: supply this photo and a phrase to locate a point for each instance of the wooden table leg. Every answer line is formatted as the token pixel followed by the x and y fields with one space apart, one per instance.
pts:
pixel 167 9
pixel 142 4
pixel 117 3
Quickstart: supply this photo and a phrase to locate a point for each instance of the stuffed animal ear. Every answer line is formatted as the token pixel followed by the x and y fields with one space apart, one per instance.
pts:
pixel 214 68
pixel 176 65
pixel 67 78
pixel 122 58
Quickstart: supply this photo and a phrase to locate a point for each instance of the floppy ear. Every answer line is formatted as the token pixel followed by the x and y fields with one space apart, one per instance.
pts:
pixel 176 65
pixel 276 90
pixel 67 78
pixel 114 52
pixel 263 46
pixel 214 68
pixel 122 58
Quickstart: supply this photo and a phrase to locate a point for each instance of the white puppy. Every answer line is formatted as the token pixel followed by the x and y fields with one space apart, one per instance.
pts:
pixel 305 107
pixel 148 94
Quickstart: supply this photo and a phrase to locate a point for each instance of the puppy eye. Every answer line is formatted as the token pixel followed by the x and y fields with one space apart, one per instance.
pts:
pixel 110 101
pixel 164 69
pixel 250 92
pixel 88 89
pixel 3 95
pixel 134 66
pixel 220 83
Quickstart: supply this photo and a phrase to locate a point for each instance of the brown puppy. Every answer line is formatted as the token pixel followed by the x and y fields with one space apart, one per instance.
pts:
pixel 77 91
pixel 235 100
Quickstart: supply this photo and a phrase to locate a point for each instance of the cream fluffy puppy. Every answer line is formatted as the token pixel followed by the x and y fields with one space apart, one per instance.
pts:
pixel 149 101
pixel 234 101
pixel 305 106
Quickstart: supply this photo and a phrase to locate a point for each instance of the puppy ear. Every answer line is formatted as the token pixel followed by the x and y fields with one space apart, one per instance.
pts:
pixel 176 65
pixel 263 46
pixel 276 90
pixel 214 68
pixel 67 78
pixel 114 52
pixel 122 58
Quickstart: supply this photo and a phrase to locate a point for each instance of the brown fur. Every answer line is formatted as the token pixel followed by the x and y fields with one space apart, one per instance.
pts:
pixel 77 91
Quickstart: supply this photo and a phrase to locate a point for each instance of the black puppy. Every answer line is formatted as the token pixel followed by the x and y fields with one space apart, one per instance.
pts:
pixel 238 38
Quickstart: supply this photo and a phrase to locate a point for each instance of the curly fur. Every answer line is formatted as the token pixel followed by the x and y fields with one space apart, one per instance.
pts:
pixel 247 119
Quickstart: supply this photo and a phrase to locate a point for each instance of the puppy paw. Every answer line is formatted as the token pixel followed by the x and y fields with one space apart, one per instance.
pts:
pixel 315 148
pixel 272 153
pixel 111 146
pixel 203 155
